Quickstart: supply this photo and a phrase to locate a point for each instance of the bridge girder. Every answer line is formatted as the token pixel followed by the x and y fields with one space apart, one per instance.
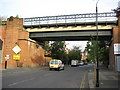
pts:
pixel 71 35
pixel 66 30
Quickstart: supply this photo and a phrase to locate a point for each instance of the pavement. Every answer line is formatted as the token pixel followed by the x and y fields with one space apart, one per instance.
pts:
pixel 108 79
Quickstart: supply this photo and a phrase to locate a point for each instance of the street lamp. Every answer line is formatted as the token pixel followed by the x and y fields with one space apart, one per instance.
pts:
pixel 97 68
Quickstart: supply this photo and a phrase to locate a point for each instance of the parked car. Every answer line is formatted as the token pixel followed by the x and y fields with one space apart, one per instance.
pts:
pixel 81 63
pixel 85 63
pixel 56 64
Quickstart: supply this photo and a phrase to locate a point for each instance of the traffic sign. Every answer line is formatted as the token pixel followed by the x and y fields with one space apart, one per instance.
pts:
pixel 16 49
pixel 117 48
pixel 16 56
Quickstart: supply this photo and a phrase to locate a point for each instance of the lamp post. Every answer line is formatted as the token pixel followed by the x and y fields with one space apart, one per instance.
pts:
pixel 97 63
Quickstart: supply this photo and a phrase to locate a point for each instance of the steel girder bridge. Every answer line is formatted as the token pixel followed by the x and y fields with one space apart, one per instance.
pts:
pixel 75 20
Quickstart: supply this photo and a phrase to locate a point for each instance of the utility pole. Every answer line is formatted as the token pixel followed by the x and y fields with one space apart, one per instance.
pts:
pixel 97 62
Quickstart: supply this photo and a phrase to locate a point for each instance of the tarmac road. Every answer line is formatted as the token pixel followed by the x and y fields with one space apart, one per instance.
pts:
pixel 71 77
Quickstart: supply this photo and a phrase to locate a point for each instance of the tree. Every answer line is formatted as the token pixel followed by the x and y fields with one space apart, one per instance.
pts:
pixel 46 47
pixel 2 19
pixel 103 52
pixel 91 48
pixel 57 49
pixel 65 58
pixel 75 54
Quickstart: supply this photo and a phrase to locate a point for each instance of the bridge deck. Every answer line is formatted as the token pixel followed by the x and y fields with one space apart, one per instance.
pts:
pixel 71 27
pixel 71 35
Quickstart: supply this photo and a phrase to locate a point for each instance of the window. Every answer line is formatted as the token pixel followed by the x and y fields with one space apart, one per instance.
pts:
pixel 54 62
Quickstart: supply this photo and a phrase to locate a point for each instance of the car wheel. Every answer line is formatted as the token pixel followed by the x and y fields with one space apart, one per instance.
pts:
pixel 58 69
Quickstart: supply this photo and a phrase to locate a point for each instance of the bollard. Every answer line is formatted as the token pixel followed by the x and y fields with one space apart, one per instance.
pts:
pixel 5 64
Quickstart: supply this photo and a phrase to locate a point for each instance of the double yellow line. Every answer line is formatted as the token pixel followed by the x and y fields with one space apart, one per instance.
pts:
pixel 83 80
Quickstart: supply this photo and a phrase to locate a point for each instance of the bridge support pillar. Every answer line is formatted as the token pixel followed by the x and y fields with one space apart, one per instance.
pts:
pixel 115 40
pixel 13 26
pixel 31 53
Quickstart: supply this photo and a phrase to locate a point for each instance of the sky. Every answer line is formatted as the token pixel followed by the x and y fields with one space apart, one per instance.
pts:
pixel 38 8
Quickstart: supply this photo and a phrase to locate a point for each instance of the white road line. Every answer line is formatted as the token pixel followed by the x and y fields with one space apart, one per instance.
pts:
pixel 20 82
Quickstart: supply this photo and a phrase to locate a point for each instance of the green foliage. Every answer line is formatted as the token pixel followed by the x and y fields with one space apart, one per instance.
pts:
pixel 47 48
pixel 103 53
pixel 46 45
pixel 2 19
pixel 65 58
pixel 75 54
pixel 92 49
pixel 57 51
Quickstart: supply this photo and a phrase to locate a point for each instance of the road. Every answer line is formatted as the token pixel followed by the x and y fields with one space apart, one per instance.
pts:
pixel 71 77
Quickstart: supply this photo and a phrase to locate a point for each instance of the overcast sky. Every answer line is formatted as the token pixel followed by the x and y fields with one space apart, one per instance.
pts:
pixel 38 8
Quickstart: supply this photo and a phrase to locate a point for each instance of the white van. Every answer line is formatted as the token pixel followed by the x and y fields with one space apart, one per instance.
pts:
pixel 74 63
pixel 56 64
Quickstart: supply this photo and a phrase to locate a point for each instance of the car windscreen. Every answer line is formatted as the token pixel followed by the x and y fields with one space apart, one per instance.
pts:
pixel 53 62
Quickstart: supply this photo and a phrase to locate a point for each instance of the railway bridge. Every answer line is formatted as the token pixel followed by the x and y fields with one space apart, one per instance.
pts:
pixel 28 34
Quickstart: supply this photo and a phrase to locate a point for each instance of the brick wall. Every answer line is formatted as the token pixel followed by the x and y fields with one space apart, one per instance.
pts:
pixel 2 31
pixel 31 53
pixel 111 56
pixel 2 37
pixel 116 39
pixel 11 38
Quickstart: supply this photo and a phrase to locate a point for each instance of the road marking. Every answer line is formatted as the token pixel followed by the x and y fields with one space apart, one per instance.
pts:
pixel 83 80
pixel 20 82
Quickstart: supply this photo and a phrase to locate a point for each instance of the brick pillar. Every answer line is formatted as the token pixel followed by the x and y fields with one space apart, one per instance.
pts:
pixel 14 25
pixel 118 27
pixel 116 40
pixel 2 37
